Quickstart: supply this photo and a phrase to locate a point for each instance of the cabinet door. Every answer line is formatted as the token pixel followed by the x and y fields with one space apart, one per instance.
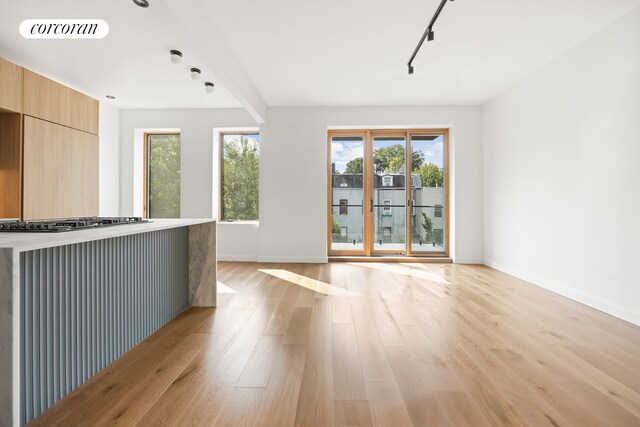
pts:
pixel 44 98
pixel 10 86
pixel 84 173
pixel 82 112
pixel 60 171
pixel 10 165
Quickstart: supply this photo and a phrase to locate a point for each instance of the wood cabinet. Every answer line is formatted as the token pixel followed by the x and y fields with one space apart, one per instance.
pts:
pixel 10 86
pixel 82 112
pixel 44 98
pixel 48 147
pixel 60 171
pixel 51 101
pixel 10 171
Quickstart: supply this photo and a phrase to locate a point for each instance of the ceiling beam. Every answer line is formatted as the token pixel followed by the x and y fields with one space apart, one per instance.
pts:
pixel 190 22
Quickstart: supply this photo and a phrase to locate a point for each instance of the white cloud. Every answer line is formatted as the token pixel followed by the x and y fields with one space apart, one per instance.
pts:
pixel 343 152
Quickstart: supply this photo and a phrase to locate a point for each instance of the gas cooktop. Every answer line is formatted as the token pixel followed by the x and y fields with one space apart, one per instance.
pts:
pixel 68 224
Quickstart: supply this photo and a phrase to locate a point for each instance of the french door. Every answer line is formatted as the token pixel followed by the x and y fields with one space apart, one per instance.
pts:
pixel 388 192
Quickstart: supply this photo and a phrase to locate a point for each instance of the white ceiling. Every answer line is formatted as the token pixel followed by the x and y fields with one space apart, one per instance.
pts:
pixel 354 52
pixel 131 63
pixel 305 53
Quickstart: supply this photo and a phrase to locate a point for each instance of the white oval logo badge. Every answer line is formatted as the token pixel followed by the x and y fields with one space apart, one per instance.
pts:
pixel 64 29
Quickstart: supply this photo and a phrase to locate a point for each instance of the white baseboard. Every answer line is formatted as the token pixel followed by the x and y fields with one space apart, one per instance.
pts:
pixel 238 258
pixel 467 260
pixel 597 303
pixel 309 260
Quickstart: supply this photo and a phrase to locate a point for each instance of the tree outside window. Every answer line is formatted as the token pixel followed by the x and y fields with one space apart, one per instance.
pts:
pixel 163 176
pixel 240 177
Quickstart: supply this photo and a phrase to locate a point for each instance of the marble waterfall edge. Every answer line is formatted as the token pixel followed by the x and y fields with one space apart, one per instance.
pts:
pixel 202 265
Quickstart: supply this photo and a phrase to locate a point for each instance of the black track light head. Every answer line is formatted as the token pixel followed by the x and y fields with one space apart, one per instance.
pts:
pixel 428 34
pixel 141 3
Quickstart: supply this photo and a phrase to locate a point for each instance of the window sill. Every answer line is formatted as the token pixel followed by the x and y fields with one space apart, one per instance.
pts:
pixel 238 222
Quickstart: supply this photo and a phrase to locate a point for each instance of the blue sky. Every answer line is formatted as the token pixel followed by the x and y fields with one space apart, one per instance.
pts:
pixel 344 151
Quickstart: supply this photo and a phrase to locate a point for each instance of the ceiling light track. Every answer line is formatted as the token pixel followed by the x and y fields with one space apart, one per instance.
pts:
pixel 428 34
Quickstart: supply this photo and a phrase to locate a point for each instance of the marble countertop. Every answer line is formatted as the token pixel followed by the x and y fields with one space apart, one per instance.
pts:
pixel 30 241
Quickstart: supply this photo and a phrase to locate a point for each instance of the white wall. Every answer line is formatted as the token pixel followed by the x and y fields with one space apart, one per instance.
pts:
pixel 109 164
pixel 238 241
pixel 199 169
pixel 562 175
pixel 198 149
pixel 465 145
pixel 293 173
pixel 293 185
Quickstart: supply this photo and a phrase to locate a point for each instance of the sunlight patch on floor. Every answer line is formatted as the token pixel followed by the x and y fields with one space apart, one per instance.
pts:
pixel 407 271
pixel 224 289
pixel 306 282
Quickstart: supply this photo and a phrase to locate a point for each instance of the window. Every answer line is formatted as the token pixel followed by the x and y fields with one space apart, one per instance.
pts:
pixel 386 210
pixel 239 174
pixel 162 176
pixel 386 234
pixel 397 188
pixel 344 207
pixel 343 232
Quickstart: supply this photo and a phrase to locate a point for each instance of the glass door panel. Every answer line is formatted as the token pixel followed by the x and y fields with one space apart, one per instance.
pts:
pixel 428 195
pixel 389 194
pixel 347 194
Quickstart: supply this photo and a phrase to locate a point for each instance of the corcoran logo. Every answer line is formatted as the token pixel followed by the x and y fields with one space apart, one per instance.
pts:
pixel 64 29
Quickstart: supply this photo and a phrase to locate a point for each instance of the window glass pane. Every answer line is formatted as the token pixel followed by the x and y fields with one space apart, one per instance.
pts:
pixel 389 194
pixel 344 207
pixel 240 176
pixel 347 192
pixel 427 189
pixel 163 176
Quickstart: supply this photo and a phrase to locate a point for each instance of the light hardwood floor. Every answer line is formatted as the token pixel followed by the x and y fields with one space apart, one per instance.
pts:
pixel 372 344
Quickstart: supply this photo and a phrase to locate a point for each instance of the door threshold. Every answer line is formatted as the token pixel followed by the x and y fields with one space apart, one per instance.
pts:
pixel 392 258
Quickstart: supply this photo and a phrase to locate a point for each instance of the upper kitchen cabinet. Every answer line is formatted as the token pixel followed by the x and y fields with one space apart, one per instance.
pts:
pixel 44 98
pixel 82 112
pixel 48 147
pixel 10 86
pixel 51 101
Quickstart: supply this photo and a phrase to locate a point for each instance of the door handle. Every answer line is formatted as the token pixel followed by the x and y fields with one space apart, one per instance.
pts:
pixel 371 208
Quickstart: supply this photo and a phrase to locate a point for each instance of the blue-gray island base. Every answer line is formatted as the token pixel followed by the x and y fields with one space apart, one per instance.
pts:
pixel 71 303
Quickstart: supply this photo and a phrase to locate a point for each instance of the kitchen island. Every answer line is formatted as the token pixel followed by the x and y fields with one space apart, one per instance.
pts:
pixel 72 302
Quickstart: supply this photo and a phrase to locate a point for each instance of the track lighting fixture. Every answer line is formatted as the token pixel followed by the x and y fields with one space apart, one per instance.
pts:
pixel 141 3
pixel 208 87
pixel 195 73
pixel 176 56
pixel 428 34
